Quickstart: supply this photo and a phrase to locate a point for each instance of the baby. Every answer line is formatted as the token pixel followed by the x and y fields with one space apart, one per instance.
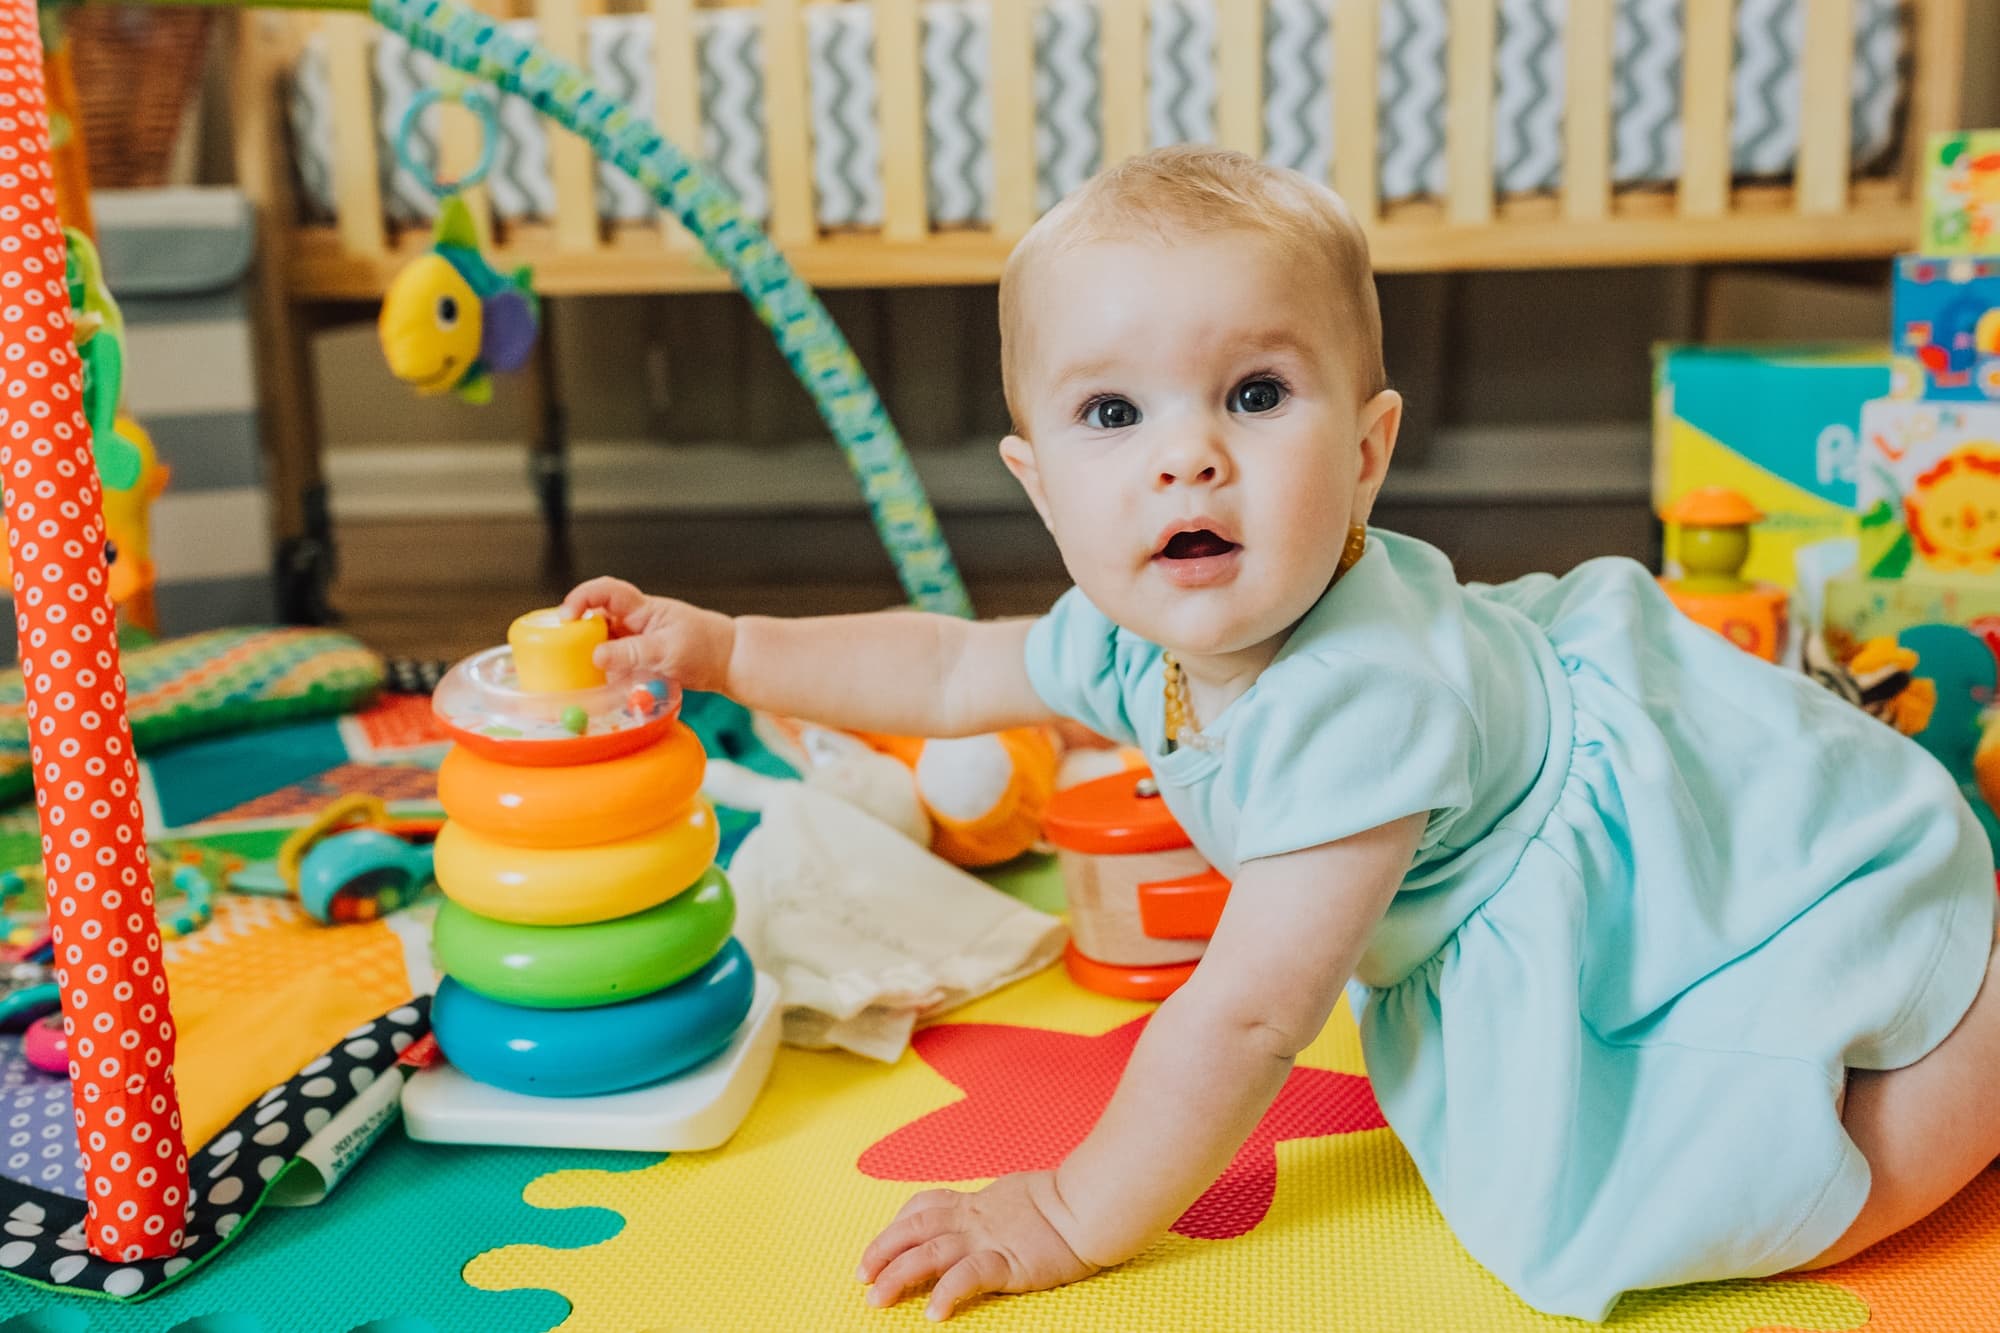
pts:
pixel 1669 958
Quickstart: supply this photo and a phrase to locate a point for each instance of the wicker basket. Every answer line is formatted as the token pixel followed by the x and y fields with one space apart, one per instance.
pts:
pixel 138 69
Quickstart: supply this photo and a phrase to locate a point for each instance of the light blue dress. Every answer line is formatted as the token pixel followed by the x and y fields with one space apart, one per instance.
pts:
pixel 1667 894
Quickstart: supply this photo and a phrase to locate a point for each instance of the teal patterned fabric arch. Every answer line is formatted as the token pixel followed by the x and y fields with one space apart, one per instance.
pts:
pixel 805 333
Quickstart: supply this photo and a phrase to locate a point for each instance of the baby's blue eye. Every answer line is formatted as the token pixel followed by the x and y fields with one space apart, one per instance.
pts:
pixel 1259 395
pixel 1111 414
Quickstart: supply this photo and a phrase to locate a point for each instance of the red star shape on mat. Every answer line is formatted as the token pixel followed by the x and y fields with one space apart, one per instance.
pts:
pixel 1031 1094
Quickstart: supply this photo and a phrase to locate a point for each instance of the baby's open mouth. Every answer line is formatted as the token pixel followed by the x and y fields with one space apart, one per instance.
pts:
pixel 1197 545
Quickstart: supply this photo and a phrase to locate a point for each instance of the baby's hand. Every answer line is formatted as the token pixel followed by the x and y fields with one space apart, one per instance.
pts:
pixel 684 643
pixel 1006 1237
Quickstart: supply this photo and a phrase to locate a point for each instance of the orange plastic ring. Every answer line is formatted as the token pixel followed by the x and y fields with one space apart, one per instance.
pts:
pixel 573 807
pixel 1125 983
pixel 574 886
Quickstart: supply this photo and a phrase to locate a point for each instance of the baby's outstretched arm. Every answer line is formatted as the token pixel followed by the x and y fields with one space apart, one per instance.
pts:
pixel 1208 1066
pixel 899 672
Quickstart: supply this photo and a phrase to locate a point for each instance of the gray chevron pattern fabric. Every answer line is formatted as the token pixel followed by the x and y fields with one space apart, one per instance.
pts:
pixel 1647 44
pixel 958 113
pixel 1298 86
pixel 847 143
pixel 619 58
pixel 1069 121
pixel 1769 36
pixel 309 117
pixel 730 43
pixel 1528 95
pixel 1411 87
pixel 1528 100
pixel 1180 83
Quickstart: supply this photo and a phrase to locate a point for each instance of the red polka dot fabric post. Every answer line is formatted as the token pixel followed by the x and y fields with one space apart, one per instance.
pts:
pixel 107 942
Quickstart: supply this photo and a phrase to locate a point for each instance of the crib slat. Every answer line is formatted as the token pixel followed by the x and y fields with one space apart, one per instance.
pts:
pixel 1826 80
pixel 357 173
pixel 1586 187
pixel 786 127
pixel 1121 54
pixel 570 159
pixel 1708 61
pixel 1937 46
pixel 899 108
pixel 677 91
pixel 1357 36
pixel 1011 49
pixel 1239 98
pixel 1469 112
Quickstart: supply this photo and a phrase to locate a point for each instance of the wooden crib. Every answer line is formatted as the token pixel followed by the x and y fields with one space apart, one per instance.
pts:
pixel 1823 206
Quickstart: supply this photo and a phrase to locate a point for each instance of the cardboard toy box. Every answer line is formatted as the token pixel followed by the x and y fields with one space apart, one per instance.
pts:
pixel 1780 424
pixel 1946 325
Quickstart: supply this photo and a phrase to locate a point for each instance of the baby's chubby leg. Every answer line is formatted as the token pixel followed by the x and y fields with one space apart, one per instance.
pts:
pixel 1926 1129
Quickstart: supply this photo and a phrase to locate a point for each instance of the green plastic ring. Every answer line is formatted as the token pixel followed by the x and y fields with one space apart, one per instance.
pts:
pixel 571 967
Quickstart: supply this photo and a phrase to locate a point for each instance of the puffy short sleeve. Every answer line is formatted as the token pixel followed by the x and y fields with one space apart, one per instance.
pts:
pixel 1079 667
pixel 1337 745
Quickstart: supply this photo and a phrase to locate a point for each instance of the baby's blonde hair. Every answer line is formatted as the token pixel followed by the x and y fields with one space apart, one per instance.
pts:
pixel 1191 188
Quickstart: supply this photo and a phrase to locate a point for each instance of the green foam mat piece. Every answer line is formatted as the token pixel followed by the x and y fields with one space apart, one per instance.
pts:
pixel 382 1254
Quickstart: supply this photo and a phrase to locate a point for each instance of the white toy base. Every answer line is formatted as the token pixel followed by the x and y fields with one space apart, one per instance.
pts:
pixel 694 1112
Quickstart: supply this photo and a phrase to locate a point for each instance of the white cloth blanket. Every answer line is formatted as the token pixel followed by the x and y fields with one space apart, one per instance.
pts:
pixel 868 933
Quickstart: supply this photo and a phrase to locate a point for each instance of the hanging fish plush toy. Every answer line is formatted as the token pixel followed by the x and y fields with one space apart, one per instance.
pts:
pixel 450 321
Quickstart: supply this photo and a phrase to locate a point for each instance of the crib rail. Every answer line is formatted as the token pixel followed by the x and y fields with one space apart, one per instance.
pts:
pixel 1822 211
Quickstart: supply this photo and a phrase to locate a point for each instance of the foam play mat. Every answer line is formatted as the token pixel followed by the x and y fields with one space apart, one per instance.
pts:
pixel 1320 1223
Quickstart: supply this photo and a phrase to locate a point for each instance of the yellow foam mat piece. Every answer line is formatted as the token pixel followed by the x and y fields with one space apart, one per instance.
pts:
pixel 764 1233
pixel 263 990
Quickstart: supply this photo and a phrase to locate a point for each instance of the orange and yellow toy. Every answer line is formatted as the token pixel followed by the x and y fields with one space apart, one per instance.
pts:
pixel 1142 901
pixel 985 795
pixel 1714 525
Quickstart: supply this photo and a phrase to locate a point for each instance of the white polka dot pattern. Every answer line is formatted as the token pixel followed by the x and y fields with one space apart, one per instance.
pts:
pixel 107 945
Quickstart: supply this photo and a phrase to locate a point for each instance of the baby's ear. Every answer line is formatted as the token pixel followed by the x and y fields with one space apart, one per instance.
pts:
pixel 1381 421
pixel 1019 456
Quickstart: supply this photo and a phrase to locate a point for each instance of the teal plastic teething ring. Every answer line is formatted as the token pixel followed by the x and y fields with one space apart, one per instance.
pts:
pixel 473 100
pixel 571 967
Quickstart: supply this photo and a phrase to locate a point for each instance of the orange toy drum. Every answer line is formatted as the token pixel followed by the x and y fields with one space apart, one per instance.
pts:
pixel 1142 901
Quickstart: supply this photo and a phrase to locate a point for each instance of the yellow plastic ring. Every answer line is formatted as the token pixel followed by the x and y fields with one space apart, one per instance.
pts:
pixel 356 809
pixel 574 886
pixel 578 806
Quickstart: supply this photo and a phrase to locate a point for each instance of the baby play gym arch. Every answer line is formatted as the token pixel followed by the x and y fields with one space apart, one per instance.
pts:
pixel 107 944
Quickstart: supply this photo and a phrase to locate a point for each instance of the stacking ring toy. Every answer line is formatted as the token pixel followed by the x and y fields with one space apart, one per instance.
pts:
pixel 587 1052
pixel 574 886
pixel 573 807
pixel 567 967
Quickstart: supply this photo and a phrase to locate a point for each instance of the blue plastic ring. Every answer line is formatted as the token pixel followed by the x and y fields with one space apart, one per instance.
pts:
pixel 590 1052
pixel 473 100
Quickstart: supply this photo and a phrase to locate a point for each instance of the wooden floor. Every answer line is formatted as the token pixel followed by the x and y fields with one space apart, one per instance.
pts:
pixel 445 589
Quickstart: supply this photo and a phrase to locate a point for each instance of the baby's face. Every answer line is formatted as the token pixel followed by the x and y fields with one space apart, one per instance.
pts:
pixel 1200 440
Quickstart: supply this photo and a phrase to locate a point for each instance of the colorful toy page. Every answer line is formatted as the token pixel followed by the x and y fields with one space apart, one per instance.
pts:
pixel 1947 329
pixel 1929 490
pixel 1962 195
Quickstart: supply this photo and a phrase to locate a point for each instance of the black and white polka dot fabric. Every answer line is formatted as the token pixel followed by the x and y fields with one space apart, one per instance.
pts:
pixel 41 1232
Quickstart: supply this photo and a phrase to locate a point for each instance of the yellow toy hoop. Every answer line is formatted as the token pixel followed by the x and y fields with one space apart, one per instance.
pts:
pixel 575 886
